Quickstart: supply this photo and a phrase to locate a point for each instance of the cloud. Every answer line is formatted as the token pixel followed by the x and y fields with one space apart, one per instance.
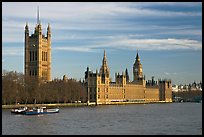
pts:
pixel 12 51
pixel 89 16
pixel 154 44
pixel 133 44
pixel 166 73
pixel 160 44
pixel 90 10
pixel 101 25
pixel 74 48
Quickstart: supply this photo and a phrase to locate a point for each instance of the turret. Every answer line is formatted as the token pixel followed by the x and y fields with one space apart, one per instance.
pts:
pixel 26 29
pixel 87 73
pixel 26 34
pixel 48 31
pixel 127 75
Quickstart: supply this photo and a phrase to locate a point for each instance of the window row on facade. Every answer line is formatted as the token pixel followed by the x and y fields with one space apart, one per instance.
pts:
pixel 33 72
pixel 34 56
pixel 44 56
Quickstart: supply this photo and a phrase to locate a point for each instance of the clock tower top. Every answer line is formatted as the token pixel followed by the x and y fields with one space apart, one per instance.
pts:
pixel 137 69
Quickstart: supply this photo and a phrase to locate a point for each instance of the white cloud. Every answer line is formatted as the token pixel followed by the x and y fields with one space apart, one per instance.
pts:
pixel 97 16
pixel 12 51
pixel 133 44
pixel 83 16
pixel 166 73
pixel 154 44
pixel 87 10
pixel 74 48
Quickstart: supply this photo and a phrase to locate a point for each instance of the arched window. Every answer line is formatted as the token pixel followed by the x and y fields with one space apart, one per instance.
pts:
pixel 30 55
pixel 36 56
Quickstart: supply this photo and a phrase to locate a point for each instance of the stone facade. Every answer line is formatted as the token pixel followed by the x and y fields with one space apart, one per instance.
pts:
pixel 101 90
pixel 38 52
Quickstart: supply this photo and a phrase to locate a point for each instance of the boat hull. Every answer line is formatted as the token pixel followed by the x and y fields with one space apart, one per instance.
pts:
pixel 51 111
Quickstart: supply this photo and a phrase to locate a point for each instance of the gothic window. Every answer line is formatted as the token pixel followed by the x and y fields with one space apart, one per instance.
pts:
pixel 30 55
pixel 45 56
pixel 35 55
pixel 42 55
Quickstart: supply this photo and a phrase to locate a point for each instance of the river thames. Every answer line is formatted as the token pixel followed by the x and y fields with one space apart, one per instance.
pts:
pixel 134 119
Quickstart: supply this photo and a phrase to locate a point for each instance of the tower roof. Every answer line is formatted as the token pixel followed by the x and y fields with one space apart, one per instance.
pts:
pixel 137 57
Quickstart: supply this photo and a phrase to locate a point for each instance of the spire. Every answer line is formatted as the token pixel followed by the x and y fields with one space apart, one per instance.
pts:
pixel 38 16
pixel 48 28
pixel 26 27
pixel 104 68
pixel 104 54
pixel 104 59
pixel 137 57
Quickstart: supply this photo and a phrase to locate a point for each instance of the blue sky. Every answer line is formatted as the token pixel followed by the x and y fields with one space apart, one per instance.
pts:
pixel 168 36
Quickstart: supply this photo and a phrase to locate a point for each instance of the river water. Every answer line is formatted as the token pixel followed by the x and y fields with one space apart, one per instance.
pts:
pixel 134 119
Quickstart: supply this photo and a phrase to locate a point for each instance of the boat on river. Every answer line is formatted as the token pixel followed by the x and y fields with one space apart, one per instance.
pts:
pixel 35 111
pixel 40 110
pixel 19 110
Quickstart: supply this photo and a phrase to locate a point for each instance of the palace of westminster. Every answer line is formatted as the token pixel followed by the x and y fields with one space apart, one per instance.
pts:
pixel 99 87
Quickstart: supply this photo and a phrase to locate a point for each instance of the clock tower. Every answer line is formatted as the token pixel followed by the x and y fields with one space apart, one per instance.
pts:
pixel 137 69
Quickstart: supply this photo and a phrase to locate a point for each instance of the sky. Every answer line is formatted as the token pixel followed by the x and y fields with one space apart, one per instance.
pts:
pixel 167 35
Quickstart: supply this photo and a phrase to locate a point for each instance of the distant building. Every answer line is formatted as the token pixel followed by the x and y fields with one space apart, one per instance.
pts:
pixel 101 90
pixel 190 87
pixel 65 78
pixel 38 52
pixel 175 88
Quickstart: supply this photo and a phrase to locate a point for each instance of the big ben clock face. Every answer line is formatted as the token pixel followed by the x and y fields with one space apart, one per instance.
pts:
pixel 136 70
